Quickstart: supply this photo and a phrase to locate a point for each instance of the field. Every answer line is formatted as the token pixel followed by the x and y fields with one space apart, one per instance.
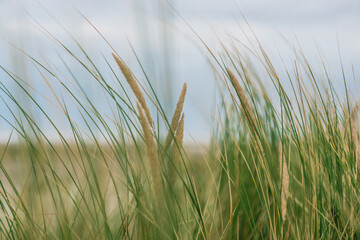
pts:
pixel 282 163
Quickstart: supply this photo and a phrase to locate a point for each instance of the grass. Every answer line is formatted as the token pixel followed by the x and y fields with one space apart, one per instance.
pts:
pixel 283 162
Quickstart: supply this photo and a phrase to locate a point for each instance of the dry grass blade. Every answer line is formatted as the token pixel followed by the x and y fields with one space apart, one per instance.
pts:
pixel 175 120
pixel 150 147
pixel 130 78
pixel 285 182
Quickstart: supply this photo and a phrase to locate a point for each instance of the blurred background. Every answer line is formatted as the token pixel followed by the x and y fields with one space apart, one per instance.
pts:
pixel 171 54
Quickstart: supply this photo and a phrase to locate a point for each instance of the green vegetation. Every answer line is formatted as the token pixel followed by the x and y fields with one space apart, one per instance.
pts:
pixel 280 165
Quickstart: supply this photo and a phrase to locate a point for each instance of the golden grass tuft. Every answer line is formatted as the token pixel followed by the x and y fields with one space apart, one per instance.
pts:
pixel 241 94
pixel 175 154
pixel 150 147
pixel 247 110
pixel 175 120
pixel 130 78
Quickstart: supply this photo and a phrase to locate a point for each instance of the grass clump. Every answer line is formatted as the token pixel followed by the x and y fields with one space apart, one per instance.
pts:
pixel 283 162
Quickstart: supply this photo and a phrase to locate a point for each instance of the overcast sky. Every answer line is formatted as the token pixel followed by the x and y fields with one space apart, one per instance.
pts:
pixel 146 22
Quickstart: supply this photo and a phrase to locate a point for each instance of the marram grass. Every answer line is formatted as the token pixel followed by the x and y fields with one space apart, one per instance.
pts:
pixel 283 161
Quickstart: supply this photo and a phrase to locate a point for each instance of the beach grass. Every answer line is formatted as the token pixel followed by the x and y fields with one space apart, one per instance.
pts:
pixel 282 163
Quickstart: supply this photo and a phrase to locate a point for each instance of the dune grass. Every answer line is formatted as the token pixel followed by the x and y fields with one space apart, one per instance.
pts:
pixel 283 162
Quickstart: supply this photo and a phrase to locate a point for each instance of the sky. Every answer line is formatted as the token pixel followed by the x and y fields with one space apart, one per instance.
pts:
pixel 321 26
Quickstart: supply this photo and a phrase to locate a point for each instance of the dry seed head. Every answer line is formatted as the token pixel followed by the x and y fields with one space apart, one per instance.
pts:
pixel 177 148
pixel 150 147
pixel 175 120
pixel 355 112
pixel 285 182
pixel 179 139
pixel 246 109
pixel 241 93
pixel 356 150
pixel 354 134
pixel 130 78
